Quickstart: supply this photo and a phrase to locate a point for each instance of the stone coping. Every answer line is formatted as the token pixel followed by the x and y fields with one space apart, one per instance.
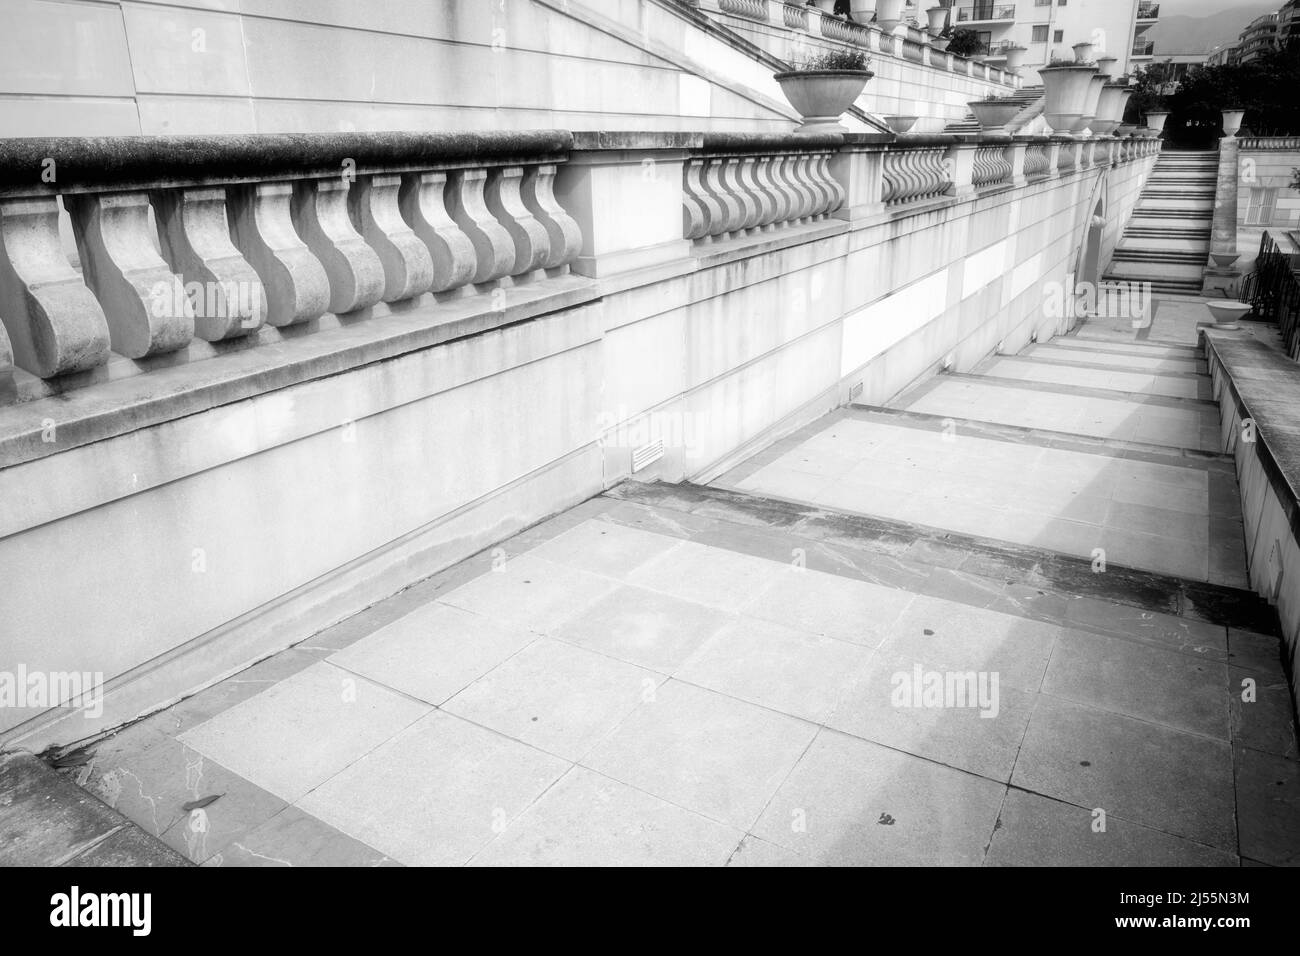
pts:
pixel 1265 386
pixel 94 163
pixel 99 163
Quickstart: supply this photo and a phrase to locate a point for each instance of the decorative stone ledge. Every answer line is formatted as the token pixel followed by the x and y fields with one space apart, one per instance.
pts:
pixel 1258 390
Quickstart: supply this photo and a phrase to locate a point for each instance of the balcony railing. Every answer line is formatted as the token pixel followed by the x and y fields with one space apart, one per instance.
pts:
pixel 1148 11
pixel 1144 47
pixel 981 12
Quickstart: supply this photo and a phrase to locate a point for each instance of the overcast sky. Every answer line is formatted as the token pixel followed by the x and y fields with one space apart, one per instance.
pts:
pixel 1201 8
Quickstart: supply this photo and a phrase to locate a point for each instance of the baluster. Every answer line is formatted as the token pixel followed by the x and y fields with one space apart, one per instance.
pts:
pixel 504 200
pixel 423 204
pixel 144 302
pixel 778 172
pixel 700 211
pixel 293 279
pixel 769 198
pixel 493 247
pixel 838 195
pixel 748 183
pixel 732 183
pixel 796 165
pixel 731 208
pixel 356 276
pixel 563 234
pixel 55 323
pixel 195 238
pixel 375 213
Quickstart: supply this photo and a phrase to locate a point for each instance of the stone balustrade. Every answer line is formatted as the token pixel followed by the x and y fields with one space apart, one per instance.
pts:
pixel 867 36
pixel 742 184
pixel 1269 142
pixel 188 248
pixel 750 9
pixel 911 175
pixel 991 167
pixel 219 238
pixel 1037 161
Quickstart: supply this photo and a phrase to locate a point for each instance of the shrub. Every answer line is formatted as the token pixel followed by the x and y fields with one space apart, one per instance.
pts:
pixel 835 60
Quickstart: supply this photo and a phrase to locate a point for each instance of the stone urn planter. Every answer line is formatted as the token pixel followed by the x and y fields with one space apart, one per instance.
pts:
pixel 863 10
pixel 900 124
pixel 1082 52
pixel 889 14
pixel 941 43
pixel 994 115
pixel 1110 108
pixel 1065 90
pixel 1156 120
pixel 1015 58
pixel 1232 122
pixel 1089 116
pixel 1224 259
pixel 822 96
pixel 1226 312
pixel 938 17
pixel 825 6
pixel 1106 65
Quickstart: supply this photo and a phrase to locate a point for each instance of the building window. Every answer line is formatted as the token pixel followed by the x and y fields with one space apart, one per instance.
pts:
pixel 1040 34
pixel 1058 36
pixel 1260 210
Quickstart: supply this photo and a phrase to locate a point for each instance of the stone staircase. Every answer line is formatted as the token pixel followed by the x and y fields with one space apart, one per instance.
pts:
pixel 1168 238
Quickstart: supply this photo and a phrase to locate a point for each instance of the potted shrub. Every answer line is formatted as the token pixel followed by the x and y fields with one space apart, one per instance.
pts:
pixel 994 112
pixel 823 87
pixel 1065 90
pixel 889 13
pixel 1232 118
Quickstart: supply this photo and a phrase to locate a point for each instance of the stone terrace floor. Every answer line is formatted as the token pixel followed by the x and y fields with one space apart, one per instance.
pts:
pixel 684 675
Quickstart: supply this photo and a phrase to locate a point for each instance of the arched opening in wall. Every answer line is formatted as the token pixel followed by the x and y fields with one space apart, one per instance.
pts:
pixel 1088 260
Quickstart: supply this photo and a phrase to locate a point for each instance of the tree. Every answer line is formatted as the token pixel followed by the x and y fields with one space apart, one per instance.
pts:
pixel 965 42
pixel 1264 88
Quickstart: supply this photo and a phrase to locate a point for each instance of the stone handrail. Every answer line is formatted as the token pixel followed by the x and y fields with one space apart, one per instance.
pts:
pixel 1269 142
pixel 216 238
pixel 795 17
pixel 741 184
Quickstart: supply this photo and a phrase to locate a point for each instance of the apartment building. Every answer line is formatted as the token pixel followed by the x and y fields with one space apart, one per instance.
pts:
pixel 1049 28
pixel 1258 38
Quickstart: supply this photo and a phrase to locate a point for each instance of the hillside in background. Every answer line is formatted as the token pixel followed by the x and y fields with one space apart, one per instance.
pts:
pixel 1193 34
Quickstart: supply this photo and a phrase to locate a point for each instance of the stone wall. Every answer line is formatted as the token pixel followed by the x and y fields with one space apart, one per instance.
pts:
pixel 122 67
pixel 1265 163
pixel 232 498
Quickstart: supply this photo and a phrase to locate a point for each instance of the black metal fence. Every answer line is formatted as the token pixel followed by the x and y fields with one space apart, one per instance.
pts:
pixel 1274 293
